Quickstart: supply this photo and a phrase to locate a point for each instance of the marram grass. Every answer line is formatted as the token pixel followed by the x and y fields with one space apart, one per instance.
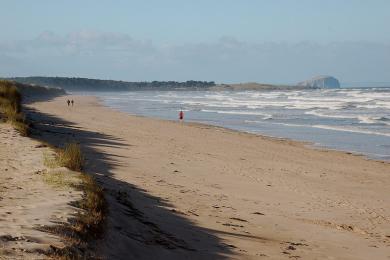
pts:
pixel 70 157
pixel 10 106
pixel 88 224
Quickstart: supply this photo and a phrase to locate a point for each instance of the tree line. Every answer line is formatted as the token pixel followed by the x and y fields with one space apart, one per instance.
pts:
pixel 110 85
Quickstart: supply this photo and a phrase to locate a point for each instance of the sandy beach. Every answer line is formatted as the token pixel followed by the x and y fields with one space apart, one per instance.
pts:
pixel 31 197
pixel 201 192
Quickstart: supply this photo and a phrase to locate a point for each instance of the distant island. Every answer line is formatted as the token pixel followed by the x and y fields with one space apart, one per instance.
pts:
pixel 86 84
pixel 321 82
pixel 317 82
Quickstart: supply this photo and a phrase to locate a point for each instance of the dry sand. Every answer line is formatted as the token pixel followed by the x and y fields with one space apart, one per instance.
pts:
pixel 29 198
pixel 196 191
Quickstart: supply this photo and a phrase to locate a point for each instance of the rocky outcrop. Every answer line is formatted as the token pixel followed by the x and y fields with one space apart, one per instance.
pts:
pixel 321 82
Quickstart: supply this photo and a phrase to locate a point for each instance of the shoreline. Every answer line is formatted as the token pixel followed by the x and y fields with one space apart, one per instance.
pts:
pixel 202 191
pixel 307 144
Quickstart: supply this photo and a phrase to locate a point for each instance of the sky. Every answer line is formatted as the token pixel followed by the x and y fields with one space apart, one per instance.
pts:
pixel 274 41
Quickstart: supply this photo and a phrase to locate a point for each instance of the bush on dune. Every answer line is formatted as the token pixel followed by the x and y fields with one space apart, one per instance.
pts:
pixel 10 106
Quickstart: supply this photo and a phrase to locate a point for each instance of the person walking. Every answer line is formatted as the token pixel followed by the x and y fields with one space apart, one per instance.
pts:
pixel 181 115
pixel 72 102
pixel 68 102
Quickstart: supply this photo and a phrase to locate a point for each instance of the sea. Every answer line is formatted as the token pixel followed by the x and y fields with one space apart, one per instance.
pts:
pixel 355 120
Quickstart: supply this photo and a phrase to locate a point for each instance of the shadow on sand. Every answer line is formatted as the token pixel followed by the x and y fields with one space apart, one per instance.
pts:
pixel 139 225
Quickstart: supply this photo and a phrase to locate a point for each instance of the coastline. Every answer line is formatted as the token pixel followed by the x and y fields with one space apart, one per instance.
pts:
pixel 200 191
pixel 336 119
pixel 307 144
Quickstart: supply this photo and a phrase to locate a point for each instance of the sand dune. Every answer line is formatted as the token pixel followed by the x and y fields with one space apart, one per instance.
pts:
pixel 200 192
pixel 28 201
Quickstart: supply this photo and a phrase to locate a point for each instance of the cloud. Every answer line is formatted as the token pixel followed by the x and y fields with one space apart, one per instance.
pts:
pixel 228 59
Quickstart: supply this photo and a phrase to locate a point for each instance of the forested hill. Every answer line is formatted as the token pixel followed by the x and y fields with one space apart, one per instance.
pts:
pixel 87 84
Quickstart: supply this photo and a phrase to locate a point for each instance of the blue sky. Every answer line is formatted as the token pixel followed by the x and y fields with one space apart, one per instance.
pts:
pixel 223 40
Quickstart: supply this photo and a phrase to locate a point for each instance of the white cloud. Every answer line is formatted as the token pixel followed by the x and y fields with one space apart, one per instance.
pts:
pixel 115 55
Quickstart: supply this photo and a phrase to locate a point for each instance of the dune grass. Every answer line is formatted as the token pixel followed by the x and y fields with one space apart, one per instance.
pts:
pixel 10 97
pixel 21 127
pixel 60 179
pixel 88 224
pixel 50 160
pixel 10 106
pixel 70 157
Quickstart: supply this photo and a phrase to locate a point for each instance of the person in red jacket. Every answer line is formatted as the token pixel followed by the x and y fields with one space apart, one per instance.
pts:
pixel 181 115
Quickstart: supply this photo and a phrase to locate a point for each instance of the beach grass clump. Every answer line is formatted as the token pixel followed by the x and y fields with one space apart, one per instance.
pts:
pixel 87 226
pixel 10 97
pixel 50 160
pixel 88 223
pixel 10 106
pixel 60 179
pixel 71 157
pixel 21 127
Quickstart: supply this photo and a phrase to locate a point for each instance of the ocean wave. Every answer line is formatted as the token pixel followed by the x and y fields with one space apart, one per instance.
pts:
pixel 314 105
pixel 350 129
pixel 261 100
pixel 368 106
pixel 383 120
pixel 252 113
pixel 374 120
pixel 338 128
pixel 384 104
pixel 321 114
pixel 371 95
pixel 258 121
pixel 363 119
pixel 253 121
pixel 360 111
pixel 366 120
pixel 333 99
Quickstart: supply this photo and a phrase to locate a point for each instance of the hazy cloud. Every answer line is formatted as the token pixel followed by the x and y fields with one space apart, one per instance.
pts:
pixel 119 56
